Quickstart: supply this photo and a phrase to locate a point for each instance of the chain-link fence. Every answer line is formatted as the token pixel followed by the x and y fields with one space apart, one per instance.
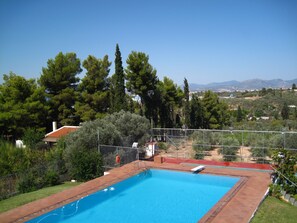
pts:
pixel 9 184
pixel 225 145
pixel 110 153
pixel 36 177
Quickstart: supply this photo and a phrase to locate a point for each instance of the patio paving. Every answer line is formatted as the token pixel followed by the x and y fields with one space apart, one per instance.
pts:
pixel 238 205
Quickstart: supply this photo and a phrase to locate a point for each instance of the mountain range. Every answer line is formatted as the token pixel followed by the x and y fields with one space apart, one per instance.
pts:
pixel 247 85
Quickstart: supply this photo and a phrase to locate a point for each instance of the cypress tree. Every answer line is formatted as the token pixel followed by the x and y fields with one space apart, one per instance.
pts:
pixel 285 111
pixel 239 114
pixel 119 102
pixel 187 103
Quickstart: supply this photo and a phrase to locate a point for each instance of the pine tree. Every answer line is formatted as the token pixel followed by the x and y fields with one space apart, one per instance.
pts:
pixel 119 98
pixel 142 80
pixel 216 113
pixel 93 101
pixel 60 79
pixel 22 105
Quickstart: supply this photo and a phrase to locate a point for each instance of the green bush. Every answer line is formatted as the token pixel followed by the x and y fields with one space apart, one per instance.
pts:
pixel 285 161
pixel 275 190
pixel 84 165
pixel 199 151
pixel 199 155
pixel 51 178
pixel 205 141
pixel 12 159
pixel 131 127
pixel 55 159
pixel 82 159
pixel 205 138
pixel 163 146
pixel 229 148
pixel 290 189
pixel 33 138
pixel 27 183
pixel 36 178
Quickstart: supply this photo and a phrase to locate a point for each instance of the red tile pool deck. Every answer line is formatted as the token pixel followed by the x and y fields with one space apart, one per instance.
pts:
pixel 238 205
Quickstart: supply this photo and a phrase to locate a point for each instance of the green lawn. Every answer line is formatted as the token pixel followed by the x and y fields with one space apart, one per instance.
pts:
pixel 273 210
pixel 21 199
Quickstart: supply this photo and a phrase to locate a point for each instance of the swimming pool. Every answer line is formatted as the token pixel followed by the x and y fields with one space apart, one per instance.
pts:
pixel 151 196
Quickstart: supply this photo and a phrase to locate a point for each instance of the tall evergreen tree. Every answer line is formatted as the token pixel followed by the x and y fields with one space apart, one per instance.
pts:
pixel 119 97
pixel 94 98
pixel 239 115
pixel 167 100
pixel 216 113
pixel 22 105
pixel 285 111
pixel 60 80
pixel 142 80
pixel 187 103
pixel 196 113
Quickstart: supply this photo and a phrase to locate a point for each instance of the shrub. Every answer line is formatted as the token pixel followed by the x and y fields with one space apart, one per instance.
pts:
pixel 199 151
pixel 131 127
pixel 163 146
pixel 32 138
pixel 275 190
pixel 55 159
pixel 290 189
pixel 285 161
pixel 37 178
pixel 121 129
pixel 51 178
pixel 27 183
pixel 84 165
pixel 229 148
pixel 205 138
pixel 204 142
pixel 12 159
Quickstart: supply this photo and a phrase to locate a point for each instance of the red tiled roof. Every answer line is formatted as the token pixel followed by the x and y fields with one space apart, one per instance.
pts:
pixel 55 135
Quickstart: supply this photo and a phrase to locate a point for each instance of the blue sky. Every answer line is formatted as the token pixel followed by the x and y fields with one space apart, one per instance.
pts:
pixel 203 40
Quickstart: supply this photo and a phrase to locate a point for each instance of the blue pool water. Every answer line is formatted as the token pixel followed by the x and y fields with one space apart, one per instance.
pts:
pixel 152 196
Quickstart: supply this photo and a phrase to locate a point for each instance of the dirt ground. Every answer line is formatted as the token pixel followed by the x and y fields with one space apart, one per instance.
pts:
pixel 185 150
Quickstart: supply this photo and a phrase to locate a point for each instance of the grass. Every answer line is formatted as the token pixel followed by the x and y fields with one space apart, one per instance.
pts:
pixel 274 210
pixel 22 199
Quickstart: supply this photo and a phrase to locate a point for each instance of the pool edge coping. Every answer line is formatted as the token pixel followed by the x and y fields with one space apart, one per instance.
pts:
pixel 213 212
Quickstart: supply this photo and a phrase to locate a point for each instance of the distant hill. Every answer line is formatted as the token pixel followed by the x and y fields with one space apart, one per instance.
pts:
pixel 253 84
